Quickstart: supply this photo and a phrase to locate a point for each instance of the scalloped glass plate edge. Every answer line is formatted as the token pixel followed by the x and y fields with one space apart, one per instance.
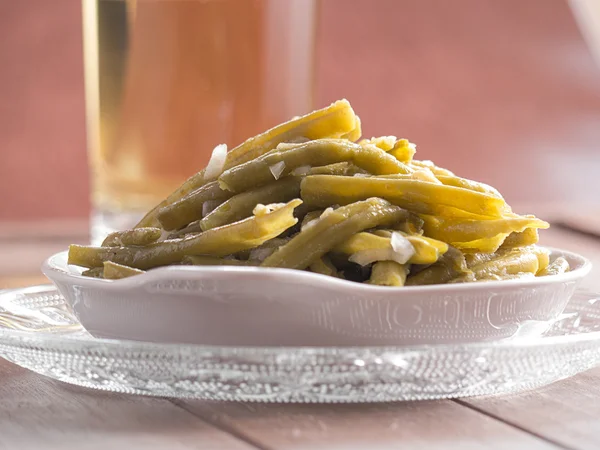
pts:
pixel 48 340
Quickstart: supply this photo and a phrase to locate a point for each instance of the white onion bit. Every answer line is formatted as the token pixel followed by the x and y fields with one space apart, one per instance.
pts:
pixel 216 163
pixel 402 247
pixel 302 170
pixel 261 210
pixel 277 169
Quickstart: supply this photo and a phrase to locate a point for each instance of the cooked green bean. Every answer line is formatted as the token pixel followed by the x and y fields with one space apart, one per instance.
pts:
pixel 321 152
pixel 335 121
pixel 431 166
pixel 450 266
pixel 558 266
pixel 192 228
pixel 355 134
pixel 342 168
pixel 417 196
pixel 403 151
pixel 114 271
pixel 385 143
pixel 222 241
pixel 137 236
pixel 333 228
pixel 468 184
pixel 215 261
pixel 477 235
pixel 388 273
pixel 324 266
pixel 95 272
pixel 511 263
pixel 189 208
pixel 528 236
pixel 241 205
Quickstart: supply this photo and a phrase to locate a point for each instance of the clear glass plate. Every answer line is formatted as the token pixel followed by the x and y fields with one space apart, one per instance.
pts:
pixel 38 332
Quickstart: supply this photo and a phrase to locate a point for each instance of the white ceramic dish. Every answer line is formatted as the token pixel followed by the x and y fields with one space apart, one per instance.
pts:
pixel 241 306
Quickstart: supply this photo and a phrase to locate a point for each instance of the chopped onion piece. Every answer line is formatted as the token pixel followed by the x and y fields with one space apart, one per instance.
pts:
pixel 402 247
pixel 302 170
pixel 261 210
pixel 216 163
pixel 277 169
pixel 362 175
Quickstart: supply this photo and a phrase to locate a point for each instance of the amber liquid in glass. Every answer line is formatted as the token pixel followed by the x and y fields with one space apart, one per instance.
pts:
pixel 167 80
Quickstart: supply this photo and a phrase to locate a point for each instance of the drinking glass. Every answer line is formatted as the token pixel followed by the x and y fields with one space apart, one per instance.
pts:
pixel 168 80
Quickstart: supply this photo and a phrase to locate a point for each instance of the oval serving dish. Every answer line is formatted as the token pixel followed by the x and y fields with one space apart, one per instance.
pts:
pixel 249 306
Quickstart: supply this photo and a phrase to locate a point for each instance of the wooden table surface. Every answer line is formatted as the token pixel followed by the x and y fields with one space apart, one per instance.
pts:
pixel 39 413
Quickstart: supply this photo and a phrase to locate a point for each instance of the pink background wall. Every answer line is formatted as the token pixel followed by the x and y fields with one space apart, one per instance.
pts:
pixel 502 91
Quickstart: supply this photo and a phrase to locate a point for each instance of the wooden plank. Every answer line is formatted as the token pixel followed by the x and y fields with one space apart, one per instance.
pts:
pixel 38 413
pixel 423 425
pixel 566 412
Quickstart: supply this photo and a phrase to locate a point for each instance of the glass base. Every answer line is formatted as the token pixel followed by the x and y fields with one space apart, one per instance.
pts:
pixel 102 223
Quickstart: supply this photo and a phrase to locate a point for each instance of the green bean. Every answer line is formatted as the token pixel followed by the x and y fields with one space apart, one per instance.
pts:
pixel 333 228
pixel 192 228
pixel 335 121
pixel 431 166
pixel 342 168
pixel 472 233
pixel 137 236
pixel 388 273
pixel 241 205
pixel 356 133
pixel 320 152
pixel 450 266
pixel 324 266
pixel 468 184
pixel 511 263
pixel 214 261
pixel 558 266
pixel 418 196
pixel 114 271
pixel 403 151
pixel 222 241
pixel 189 208
pixel 385 143
pixel 96 272
pixel 528 236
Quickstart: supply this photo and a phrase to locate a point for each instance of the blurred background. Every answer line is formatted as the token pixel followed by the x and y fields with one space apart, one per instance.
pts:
pixel 506 92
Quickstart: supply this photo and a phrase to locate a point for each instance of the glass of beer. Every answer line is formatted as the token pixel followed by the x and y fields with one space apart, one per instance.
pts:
pixel 168 80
